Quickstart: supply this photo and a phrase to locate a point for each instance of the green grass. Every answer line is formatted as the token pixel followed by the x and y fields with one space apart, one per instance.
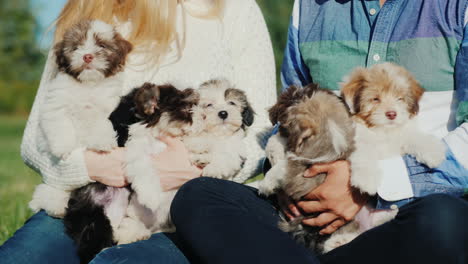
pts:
pixel 17 181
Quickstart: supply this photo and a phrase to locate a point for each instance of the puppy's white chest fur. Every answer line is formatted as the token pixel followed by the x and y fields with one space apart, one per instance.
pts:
pixel 76 114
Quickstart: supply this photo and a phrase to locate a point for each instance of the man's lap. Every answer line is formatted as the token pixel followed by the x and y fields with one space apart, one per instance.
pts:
pixel 42 240
pixel 246 225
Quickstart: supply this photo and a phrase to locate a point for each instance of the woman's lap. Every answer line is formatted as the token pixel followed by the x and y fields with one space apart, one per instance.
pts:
pixel 42 240
pixel 224 222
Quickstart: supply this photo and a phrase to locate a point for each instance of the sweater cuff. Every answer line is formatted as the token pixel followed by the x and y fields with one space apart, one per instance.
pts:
pixel 73 172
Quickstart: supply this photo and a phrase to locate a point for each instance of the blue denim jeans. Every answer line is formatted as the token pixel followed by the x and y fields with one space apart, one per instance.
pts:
pixel 43 240
pixel 222 222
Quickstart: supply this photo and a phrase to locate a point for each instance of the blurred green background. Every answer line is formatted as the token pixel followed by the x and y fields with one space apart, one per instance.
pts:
pixel 21 64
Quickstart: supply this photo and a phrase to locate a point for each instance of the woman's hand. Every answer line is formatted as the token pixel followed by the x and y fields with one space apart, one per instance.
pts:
pixel 335 199
pixel 173 165
pixel 107 167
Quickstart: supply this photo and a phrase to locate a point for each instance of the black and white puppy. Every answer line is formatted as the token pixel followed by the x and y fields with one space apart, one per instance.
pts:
pixel 214 138
pixel 79 99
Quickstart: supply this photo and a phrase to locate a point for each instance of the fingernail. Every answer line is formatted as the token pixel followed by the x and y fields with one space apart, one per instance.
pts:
pixel 296 212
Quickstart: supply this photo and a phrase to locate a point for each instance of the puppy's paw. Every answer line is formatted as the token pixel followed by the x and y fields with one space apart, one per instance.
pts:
pixel 433 154
pixel 61 150
pixel 130 231
pixel 148 199
pixel 266 188
pixel 221 172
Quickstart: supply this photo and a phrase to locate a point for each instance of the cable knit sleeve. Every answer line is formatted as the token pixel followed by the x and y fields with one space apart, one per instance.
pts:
pixel 65 174
pixel 255 74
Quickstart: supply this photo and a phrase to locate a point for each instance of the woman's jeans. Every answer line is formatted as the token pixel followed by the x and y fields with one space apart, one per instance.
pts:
pixel 43 240
pixel 219 221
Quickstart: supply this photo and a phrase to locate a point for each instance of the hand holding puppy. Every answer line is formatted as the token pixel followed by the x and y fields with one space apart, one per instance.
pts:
pixel 173 165
pixel 335 198
pixel 107 167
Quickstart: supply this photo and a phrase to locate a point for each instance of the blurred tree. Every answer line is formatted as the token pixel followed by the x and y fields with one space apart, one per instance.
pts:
pixel 21 61
pixel 277 14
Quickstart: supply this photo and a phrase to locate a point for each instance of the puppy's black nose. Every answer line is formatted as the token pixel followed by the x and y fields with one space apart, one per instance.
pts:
pixel 223 115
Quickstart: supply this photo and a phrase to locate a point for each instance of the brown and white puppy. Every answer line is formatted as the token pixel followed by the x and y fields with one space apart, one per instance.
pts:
pixel 384 100
pixel 79 99
pixel 317 127
pixel 78 102
pixel 211 122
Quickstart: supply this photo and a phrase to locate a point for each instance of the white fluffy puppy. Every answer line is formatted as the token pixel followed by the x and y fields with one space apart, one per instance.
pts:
pixel 384 100
pixel 211 122
pixel 80 99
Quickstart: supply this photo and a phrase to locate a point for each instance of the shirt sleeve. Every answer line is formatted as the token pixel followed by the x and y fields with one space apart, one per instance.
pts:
pixel 293 70
pixel 66 174
pixel 457 140
pixel 255 74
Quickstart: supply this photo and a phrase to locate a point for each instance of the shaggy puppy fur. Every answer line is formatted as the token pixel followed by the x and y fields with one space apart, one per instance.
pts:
pixel 209 120
pixel 316 127
pixel 96 211
pixel 213 136
pixel 79 100
pixel 384 100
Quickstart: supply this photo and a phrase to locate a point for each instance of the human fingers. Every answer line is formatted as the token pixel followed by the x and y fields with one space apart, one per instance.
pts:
pixel 333 227
pixel 288 206
pixel 317 169
pixel 321 220
pixel 311 206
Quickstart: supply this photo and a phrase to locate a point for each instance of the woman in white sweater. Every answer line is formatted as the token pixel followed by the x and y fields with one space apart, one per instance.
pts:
pixel 197 40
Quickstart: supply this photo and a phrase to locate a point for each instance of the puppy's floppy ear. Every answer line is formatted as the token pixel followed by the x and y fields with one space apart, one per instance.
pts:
pixel 300 130
pixel 191 96
pixel 123 45
pixel 416 92
pixel 285 100
pixel 147 99
pixel 60 58
pixel 248 115
pixel 351 88
pixel 247 110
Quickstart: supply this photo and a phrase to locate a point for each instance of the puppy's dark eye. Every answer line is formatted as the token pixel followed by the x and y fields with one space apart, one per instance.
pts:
pixel 102 46
pixel 232 103
pixel 209 105
pixel 400 99
pixel 376 99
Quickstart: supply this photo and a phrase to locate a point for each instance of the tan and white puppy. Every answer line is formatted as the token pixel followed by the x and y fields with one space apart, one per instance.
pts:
pixel 79 100
pixel 384 101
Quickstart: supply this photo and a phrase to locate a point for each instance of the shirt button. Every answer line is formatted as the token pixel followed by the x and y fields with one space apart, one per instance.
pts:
pixel 393 206
pixel 376 57
pixel 372 11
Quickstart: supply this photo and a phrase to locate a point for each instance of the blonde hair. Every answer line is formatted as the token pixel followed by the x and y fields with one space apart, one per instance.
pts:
pixel 153 21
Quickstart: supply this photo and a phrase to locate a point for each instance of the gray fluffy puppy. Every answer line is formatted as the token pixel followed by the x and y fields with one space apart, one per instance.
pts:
pixel 314 127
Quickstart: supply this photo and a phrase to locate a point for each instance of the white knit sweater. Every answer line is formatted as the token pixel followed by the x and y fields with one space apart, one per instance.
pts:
pixel 237 47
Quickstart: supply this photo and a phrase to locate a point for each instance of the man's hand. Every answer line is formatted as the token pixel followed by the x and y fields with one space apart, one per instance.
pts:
pixel 335 199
